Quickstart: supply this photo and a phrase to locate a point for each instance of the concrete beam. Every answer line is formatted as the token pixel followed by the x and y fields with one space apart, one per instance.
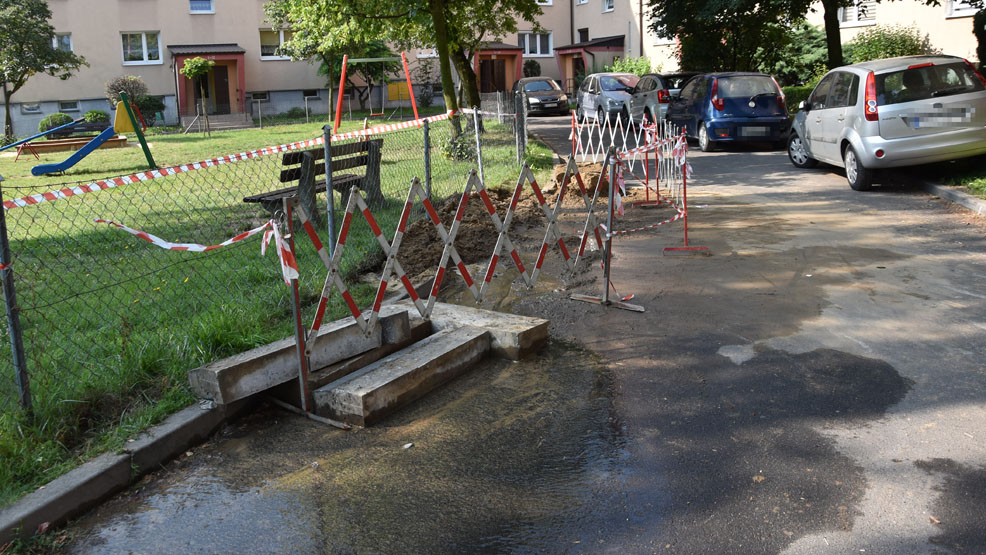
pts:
pixel 245 374
pixel 378 389
pixel 512 337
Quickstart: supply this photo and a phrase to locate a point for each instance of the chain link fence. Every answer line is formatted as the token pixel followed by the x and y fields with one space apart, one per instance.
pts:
pixel 111 323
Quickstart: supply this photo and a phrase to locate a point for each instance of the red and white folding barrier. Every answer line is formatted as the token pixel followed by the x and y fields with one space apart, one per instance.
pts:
pixel 593 137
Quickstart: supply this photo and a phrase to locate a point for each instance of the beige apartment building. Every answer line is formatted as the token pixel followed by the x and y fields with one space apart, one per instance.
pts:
pixel 151 39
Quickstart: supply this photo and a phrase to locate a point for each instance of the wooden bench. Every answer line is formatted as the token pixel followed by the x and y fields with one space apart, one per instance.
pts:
pixel 84 127
pixel 302 166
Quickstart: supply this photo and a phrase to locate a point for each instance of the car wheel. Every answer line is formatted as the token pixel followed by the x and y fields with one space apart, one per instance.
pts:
pixel 798 154
pixel 859 177
pixel 704 142
pixel 579 114
pixel 625 116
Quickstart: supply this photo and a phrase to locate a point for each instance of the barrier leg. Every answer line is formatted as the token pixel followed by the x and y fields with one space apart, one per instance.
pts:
pixel 299 330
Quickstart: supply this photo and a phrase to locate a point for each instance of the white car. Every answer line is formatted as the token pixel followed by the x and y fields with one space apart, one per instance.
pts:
pixel 891 113
pixel 603 95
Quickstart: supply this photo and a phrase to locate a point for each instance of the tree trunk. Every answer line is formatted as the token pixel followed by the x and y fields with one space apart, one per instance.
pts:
pixel 833 37
pixel 8 126
pixel 470 84
pixel 437 9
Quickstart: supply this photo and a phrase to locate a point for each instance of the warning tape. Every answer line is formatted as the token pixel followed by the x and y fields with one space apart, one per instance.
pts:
pixel 141 177
pixel 289 266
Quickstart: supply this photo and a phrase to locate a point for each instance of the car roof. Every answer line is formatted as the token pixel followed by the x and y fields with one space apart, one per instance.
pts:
pixel 612 74
pixel 529 79
pixel 900 62
pixel 733 74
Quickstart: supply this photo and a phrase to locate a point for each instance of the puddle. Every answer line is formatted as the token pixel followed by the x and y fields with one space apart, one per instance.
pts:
pixel 510 456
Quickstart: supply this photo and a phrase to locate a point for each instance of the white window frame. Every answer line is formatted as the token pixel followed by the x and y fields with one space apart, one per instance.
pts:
pixel 143 40
pixel 280 41
pixel 30 108
pixel 527 41
pixel 62 108
pixel 54 41
pixel 545 2
pixel 609 5
pixel 580 2
pixel 959 8
pixel 855 22
pixel 428 53
pixel 211 10
pixel 266 97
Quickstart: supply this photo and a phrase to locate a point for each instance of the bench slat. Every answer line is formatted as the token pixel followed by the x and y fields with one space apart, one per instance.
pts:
pixel 294 157
pixel 294 174
pixel 337 183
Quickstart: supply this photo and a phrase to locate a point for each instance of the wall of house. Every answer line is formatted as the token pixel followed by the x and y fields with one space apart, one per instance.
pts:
pixel 948 29
pixel 624 20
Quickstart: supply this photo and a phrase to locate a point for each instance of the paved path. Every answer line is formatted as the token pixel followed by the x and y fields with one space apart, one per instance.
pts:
pixel 816 385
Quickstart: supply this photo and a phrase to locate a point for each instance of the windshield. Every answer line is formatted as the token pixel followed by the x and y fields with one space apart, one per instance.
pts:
pixel 618 82
pixel 921 83
pixel 746 86
pixel 535 86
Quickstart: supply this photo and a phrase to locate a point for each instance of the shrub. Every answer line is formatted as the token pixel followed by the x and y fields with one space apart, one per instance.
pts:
pixel 532 68
pixel 637 66
pixel 96 116
pixel 426 95
pixel 54 120
pixel 131 84
pixel 148 106
pixel 794 95
pixel 979 29
pixel 459 148
pixel 295 112
pixel 888 41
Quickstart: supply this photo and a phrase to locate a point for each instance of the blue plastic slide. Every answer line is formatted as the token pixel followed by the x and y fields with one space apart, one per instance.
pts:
pixel 72 160
pixel 43 133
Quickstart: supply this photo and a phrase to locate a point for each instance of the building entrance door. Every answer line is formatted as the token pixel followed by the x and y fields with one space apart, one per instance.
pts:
pixel 220 76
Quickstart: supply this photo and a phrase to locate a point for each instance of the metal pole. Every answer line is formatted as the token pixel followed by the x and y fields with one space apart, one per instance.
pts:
pixel 608 247
pixel 479 145
pixel 329 192
pixel 299 331
pixel 306 109
pixel 427 159
pixel 13 314
pixel 517 128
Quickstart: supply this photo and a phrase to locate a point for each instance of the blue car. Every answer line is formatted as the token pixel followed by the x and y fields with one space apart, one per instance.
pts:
pixel 730 107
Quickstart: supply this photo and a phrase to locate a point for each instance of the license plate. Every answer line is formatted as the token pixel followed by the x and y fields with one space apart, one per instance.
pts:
pixel 754 131
pixel 550 104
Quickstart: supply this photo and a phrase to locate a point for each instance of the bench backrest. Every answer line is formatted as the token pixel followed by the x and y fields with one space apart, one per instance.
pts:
pixel 344 157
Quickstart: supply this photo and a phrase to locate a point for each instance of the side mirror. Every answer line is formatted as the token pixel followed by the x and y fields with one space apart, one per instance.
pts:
pixel 803 106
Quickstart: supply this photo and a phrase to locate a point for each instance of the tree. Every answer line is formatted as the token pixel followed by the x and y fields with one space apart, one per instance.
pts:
pixel 133 85
pixel 888 41
pixel 368 72
pixel 803 56
pixel 27 47
pixel 193 69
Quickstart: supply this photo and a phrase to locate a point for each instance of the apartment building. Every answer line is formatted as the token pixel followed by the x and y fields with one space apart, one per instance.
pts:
pixel 151 39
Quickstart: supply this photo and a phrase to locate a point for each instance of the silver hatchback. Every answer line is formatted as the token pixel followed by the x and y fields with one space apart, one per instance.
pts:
pixel 891 113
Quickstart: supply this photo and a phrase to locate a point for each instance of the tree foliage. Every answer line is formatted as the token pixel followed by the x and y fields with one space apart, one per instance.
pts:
pixel 369 73
pixel 888 41
pixel 637 66
pixel 27 48
pixel 979 29
pixel 532 68
pixel 803 55
pixel 133 85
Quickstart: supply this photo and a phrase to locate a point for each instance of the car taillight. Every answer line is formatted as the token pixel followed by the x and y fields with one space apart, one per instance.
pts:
pixel 716 101
pixel 663 97
pixel 780 95
pixel 976 71
pixel 869 101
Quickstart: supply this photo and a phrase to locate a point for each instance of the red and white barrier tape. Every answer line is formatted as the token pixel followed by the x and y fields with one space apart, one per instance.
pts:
pixel 289 266
pixel 140 177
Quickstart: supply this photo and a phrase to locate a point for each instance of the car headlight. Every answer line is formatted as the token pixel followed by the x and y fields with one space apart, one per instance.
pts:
pixel 611 103
pixel 562 98
pixel 534 100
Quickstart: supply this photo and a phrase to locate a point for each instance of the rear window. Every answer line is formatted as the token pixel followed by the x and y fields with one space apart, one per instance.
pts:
pixel 535 86
pixel 922 83
pixel 746 86
pixel 618 82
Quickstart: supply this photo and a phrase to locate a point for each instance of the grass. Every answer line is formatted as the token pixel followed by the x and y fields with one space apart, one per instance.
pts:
pixel 112 324
pixel 969 173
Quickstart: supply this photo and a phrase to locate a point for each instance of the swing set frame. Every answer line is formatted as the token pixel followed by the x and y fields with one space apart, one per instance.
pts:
pixel 383 82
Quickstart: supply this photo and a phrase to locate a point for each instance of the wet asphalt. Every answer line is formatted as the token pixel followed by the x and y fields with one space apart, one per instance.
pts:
pixel 815 385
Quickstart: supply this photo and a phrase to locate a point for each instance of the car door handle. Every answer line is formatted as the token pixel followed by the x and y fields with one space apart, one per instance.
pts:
pixel 818 120
pixel 842 118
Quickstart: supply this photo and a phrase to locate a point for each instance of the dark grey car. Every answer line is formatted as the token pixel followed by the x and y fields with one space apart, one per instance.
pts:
pixel 542 96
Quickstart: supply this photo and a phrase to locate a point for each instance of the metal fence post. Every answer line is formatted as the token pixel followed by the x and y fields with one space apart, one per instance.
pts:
pixel 608 247
pixel 427 159
pixel 329 191
pixel 479 145
pixel 517 127
pixel 13 313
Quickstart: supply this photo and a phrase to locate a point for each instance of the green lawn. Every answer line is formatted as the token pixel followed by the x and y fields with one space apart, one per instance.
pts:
pixel 113 324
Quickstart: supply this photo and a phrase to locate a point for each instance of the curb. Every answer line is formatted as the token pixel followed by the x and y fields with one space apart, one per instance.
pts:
pixel 950 194
pixel 82 488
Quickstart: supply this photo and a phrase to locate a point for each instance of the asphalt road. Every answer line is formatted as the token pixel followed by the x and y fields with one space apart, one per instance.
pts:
pixel 815 385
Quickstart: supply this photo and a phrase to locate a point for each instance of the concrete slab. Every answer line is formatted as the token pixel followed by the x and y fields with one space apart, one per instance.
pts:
pixel 260 369
pixel 66 496
pixel 511 336
pixel 418 331
pixel 378 389
pixel 172 437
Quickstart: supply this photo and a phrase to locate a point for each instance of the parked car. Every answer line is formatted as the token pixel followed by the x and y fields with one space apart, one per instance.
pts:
pixel 604 94
pixel 674 81
pixel 891 113
pixel 648 101
pixel 542 96
pixel 731 107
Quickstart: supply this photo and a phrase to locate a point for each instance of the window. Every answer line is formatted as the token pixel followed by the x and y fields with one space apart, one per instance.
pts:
pixel 960 8
pixel 428 53
pixel 62 41
pixel 544 2
pixel 310 93
pixel 862 13
pixel 261 96
pixel 68 105
pixel 270 41
pixel 30 108
pixel 201 6
pixel 584 34
pixel 844 91
pixel 582 1
pixel 608 6
pixel 535 44
pixel 141 48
